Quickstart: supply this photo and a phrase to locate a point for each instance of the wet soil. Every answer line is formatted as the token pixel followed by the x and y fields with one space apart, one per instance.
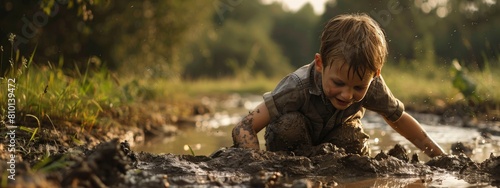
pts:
pixel 68 156
pixel 113 164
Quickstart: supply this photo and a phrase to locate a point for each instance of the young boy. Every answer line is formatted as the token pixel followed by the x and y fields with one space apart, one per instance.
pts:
pixel 325 100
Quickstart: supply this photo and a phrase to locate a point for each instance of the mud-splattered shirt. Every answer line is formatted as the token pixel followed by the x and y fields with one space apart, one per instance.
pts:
pixel 301 91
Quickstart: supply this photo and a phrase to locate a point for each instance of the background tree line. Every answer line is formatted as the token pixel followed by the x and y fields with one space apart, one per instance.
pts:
pixel 188 39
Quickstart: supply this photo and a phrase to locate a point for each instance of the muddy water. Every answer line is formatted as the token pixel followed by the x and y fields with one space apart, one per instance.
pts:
pixel 203 135
pixel 207 133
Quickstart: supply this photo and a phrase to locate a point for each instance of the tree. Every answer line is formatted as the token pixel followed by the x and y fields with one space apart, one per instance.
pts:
pixel 149 36
pixel 57 27
pixel 239 45
pixel 295 33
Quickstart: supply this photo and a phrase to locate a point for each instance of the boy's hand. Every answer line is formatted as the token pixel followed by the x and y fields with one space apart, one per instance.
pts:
pixel 408 127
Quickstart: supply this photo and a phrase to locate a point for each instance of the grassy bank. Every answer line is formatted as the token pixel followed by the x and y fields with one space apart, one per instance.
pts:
pixel 431 86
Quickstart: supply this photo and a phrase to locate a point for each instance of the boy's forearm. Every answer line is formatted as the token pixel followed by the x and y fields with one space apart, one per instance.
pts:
pixel 408 127
pixel 243 134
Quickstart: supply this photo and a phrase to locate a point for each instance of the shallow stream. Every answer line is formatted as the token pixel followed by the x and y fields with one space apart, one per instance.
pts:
pixel 204 134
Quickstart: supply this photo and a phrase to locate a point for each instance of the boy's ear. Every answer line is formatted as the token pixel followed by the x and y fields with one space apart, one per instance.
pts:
pixel 318 63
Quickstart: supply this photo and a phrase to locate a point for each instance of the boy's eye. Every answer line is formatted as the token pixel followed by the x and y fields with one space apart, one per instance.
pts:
pixel 359 88
pixel 338 83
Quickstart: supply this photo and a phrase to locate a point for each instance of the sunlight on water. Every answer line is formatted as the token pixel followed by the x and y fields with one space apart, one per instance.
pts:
pixel 205 134
pixel 205 140
pixel 383 137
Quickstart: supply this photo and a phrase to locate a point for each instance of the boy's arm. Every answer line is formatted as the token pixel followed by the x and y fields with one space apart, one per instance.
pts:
pixel 245 132
pixel 408 127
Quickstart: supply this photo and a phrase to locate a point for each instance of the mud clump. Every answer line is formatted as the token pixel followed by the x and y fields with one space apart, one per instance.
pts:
pixel 236 166
pixel 106 165
pixel 399 152
pixel 472 172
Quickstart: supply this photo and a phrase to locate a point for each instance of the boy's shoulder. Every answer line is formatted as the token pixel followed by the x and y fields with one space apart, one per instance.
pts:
pixel 291 92
pixel 300 78
pixel 304 72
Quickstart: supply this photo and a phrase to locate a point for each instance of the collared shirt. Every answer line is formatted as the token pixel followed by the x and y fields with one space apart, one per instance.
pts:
pixel 302 91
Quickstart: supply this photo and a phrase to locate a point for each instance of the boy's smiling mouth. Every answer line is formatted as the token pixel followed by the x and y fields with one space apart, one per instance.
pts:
pixel 342 103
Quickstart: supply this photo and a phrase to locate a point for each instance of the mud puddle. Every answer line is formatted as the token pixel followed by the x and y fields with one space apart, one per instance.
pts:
pixel 321 166
pixel 213 163
pixel 203 140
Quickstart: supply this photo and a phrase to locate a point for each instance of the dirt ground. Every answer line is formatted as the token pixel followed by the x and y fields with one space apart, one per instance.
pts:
pixel 113 164
pixel 66 156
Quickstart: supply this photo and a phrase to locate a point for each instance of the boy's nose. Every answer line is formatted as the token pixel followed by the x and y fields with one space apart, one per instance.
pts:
pixel 347 94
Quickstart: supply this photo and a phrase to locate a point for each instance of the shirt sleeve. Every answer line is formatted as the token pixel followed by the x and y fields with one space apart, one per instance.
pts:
pixel 286 97
pixel 380 99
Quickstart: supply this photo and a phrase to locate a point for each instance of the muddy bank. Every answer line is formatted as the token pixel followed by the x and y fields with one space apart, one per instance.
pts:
pixel 324 165
pixel 113 164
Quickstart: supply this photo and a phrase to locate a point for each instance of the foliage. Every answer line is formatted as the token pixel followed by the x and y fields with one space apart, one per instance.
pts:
pixel 119 33
pixel 220 38
pixel 464 83
pixel 445 30
pixel 44 23
pixel 240 46
pixel 91 54
pixel 293 32
pixel 155 37
pixel 43 91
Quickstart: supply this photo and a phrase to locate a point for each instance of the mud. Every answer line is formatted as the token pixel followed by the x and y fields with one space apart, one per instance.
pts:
pixel 113 164
pixel 102 158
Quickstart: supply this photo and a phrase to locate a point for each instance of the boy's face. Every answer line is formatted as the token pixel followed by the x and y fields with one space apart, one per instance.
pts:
pixel 341 87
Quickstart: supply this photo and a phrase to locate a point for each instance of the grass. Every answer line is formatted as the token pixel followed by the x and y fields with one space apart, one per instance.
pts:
pixel 48 91
pixel 488 83
pixel 182 89
pixel 430 85
pixel 44 91
pixel 420 85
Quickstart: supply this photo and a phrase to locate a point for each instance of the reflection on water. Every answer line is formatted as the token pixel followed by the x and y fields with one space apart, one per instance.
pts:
pixel 383 137
pixel 441 181
pixel 205 134
pixel 201 141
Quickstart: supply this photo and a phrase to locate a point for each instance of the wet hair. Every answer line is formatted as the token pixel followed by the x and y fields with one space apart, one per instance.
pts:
pixel 355 39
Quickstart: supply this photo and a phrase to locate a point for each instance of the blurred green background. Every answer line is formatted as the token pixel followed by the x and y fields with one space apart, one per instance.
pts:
pixel 217 38
pixel 148 49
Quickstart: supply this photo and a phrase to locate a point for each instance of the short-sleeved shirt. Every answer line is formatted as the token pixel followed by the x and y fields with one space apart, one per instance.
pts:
pixel 302 91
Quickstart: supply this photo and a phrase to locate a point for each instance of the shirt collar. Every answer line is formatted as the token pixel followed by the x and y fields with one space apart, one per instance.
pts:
pixel 316 88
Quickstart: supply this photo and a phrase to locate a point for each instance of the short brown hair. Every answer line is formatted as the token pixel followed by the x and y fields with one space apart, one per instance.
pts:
pixel 356 39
